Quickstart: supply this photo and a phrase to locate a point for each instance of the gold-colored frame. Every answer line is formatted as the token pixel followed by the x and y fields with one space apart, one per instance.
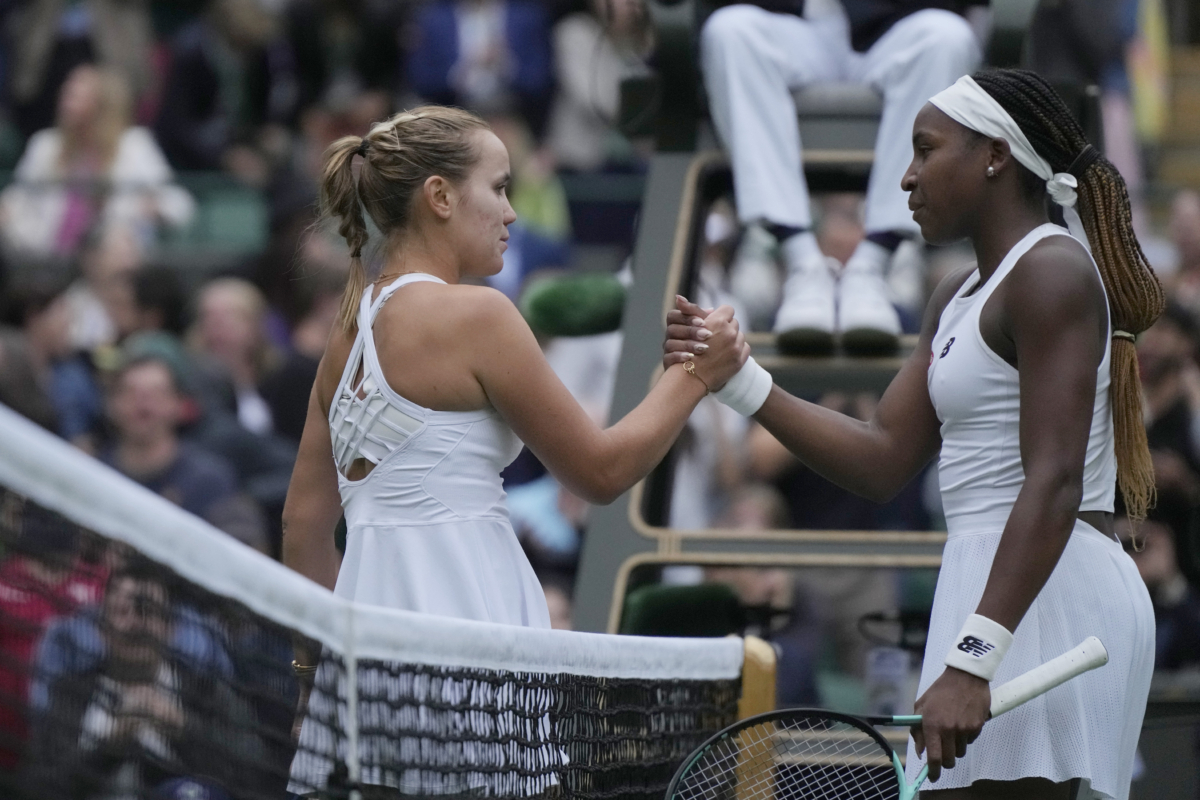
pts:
pixel 763 560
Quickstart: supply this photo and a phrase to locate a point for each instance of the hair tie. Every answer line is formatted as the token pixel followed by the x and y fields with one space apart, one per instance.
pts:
pixel 1126 335
pixel 362 148
pixel 1087 156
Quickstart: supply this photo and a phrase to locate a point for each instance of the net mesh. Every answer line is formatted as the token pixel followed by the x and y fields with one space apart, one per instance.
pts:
pixel 794 757
pixel 143 655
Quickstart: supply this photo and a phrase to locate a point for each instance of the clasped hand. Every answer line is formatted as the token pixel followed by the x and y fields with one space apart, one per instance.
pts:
pixel 710 339
pixel 952 711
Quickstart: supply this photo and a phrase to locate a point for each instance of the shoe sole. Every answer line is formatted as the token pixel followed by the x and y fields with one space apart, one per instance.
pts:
pixel 869 342
pixel 805 342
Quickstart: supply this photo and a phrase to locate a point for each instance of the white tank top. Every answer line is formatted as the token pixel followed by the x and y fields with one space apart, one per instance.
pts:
pixel 428 527
pixel 977 397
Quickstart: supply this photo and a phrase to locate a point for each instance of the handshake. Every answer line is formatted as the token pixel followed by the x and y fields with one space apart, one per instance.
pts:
pixel 710 346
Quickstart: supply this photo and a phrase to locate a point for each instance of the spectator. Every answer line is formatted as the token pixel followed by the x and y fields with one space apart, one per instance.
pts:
pixel 593 51
pixel 491 56
pixel 784 613
pixel 103 302
pixel 47 39
pixel 1171 388
pixel 1184 284
pixel 146 407
pixel 42 578
pixel 159 300
pixel 343 47
pixel 37 303
pixel 287 388
pixel 753 56
pixel 229 331
pixel 230 75
pixel 132 720
pixel 92 170
pixel 1176 603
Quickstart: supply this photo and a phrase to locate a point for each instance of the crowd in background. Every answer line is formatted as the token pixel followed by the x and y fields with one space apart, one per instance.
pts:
pixel 194 380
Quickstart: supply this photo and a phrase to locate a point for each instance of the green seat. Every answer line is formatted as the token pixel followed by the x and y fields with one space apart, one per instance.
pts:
pixel 708 609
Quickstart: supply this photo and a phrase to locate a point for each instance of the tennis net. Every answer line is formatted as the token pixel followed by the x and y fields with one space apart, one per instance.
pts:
pixel 143 654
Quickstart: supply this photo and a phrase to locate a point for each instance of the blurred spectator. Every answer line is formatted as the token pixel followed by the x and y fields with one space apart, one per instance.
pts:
pixel 345 46
pixel 230 75
pixel 816 504
pixel 286 389
pixel 159 300
pixel 593 51
pixel 1171 388
pixel 1176 602
pixel 557 588
pixel 535 192
pixel 61 379
pixel 490 56
pixel 92 170
pixel 774 606
pixel 1184 230
pixel 47 39
pixel 42 578
pixel 230 331
pixel 103 301
pixel 146 408
pixel 133 719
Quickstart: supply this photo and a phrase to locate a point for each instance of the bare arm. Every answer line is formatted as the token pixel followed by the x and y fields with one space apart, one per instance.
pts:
pixel 1053 312
pixel 313 504
pixel 596 464
pixel 876 458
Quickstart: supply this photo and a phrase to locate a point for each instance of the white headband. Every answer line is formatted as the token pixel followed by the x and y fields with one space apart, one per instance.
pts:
pixel 968 104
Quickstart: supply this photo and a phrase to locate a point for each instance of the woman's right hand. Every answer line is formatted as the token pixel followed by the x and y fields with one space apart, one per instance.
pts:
pixel 716 346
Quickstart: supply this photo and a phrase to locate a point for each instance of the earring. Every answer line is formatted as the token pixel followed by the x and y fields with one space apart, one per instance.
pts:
pixel 991 173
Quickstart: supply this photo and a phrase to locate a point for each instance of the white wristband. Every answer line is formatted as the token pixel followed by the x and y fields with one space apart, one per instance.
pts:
pixel 980 647
pixel 747 390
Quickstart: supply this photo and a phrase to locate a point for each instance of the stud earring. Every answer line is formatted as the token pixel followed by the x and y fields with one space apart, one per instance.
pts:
pixel 991 172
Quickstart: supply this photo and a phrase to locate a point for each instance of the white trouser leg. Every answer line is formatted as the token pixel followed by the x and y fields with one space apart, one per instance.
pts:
pixel 919 56
pixel 751 58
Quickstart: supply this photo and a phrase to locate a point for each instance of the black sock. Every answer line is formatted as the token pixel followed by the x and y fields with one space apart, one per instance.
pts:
pixel 888 240
pixel 782 232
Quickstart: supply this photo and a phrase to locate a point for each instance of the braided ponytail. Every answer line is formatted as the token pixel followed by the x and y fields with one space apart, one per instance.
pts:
pixel 1135 296
pixel 339 198
pixel 399 155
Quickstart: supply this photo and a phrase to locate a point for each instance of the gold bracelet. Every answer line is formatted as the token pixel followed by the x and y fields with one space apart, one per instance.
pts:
pixel 690 368
pixel 303 670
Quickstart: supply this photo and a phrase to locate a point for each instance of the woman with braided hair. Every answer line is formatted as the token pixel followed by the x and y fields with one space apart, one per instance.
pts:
pixel 1024 385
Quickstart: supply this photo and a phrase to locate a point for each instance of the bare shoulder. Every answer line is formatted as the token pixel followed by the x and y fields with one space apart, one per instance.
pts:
pixel 450 304
pixel 1056 276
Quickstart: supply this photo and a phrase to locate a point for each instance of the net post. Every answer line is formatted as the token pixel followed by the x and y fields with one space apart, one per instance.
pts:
pixel 758 678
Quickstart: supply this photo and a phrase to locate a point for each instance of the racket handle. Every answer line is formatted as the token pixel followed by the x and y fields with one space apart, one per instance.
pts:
pixel 1039 680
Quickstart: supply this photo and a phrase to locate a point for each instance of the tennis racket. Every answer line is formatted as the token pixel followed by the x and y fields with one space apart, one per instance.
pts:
pixel 813 754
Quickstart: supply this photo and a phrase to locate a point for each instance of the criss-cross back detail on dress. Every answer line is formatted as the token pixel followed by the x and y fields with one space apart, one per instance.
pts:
pixel 364 423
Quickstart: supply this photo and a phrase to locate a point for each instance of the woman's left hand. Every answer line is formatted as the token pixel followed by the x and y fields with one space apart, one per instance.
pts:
pixel 952 711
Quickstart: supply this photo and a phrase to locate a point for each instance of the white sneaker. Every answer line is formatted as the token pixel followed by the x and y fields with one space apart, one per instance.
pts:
pixel 867 319
pixel 754 276
pixel 805 321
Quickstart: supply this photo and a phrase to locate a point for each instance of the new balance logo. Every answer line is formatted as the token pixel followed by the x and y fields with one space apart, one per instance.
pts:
pixel 974 646
pixel 946 349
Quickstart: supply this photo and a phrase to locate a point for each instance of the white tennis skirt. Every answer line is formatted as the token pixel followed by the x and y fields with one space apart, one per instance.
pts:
pixel 1089 726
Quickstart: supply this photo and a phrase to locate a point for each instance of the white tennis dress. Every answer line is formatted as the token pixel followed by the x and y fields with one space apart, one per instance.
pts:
pixel 1088 727
pixel 427 530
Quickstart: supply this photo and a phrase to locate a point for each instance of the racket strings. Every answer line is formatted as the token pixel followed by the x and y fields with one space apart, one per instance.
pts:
pixel 805 757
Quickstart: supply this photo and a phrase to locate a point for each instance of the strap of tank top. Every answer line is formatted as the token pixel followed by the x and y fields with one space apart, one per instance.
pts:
pixel 369 311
